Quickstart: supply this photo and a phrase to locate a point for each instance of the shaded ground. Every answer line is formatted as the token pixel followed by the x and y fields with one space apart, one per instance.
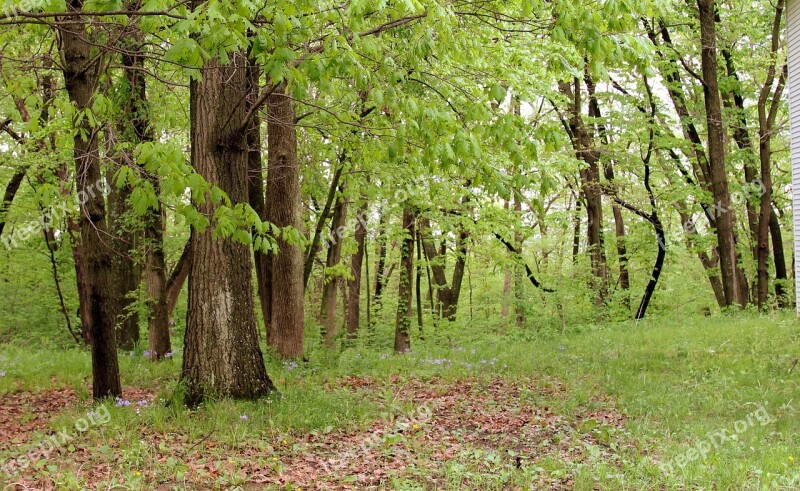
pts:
pixel 435 434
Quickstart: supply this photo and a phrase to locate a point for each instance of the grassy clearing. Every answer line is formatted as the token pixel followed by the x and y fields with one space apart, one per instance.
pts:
pixel 603 407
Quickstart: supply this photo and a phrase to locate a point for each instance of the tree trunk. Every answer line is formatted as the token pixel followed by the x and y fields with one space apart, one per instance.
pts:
pixel 519 281
pixel 177 278
pixel 447 296
pixel 221 356
pixel 255 192
pixel 81 73
pixel 725 220
pixel 380 266
pixel 779 258
pixel 125 274
pixel 82 279
pixel 354 284
pixel 418 283
pixel 313 248
pixel 768 104
pixel 10 193
pixel 136 128
pixel 608 169
pixel 402 339
pixel 285 329
pixel 332 281
pixel 576 229
pixel 709 264
pixel 585 150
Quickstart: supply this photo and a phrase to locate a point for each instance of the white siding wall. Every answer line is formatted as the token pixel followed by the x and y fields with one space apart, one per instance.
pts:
pixel 793 41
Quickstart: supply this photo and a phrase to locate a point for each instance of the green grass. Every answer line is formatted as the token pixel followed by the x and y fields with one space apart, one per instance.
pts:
pixel 675 381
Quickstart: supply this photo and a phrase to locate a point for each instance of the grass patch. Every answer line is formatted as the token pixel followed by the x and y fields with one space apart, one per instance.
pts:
pixel 701 403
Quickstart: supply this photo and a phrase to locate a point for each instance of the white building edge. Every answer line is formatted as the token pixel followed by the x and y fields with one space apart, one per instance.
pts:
pixel 793 47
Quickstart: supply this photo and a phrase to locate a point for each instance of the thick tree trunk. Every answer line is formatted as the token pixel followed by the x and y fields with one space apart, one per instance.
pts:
pixel 332 281
pixel 725 220
pixel 402 338
pixel 354 284
pixel 221 356
pixel 701 163
pixel 285 329
pixel 81 73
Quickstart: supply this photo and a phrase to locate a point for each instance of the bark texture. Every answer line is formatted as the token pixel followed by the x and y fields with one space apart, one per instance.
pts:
pixel 222 356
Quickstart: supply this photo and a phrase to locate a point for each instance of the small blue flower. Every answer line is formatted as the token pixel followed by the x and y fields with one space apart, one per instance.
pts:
pixel 122 402
pixel 142 403
pixel 243 417
pixel 2 373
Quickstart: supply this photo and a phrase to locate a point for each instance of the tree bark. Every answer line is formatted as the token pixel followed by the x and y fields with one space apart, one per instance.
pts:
pixel 418 283
pixel 402 338
pixel 332 281
pixel 313 248
pixel 585 150
pixel 125 274
pixel 221 355
pixel 354 284
pixel 608 170
pixel 136 128
pixel 519 283
pixel 576 229
pixel 380 266
pixel 8 196
pixel 255 192
pixel 725 220
pixel 81 73
pixel 285 329
pixel 447 296
pixel 768 103
pixel 177 278
pixel 780 260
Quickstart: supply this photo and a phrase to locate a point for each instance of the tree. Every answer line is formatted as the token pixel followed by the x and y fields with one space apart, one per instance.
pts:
pixel 81 76
pixel 285 327
pixel 221 354
pixel 402 333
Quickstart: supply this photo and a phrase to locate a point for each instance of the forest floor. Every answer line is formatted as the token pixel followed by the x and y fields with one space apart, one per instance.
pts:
pixel 702 403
